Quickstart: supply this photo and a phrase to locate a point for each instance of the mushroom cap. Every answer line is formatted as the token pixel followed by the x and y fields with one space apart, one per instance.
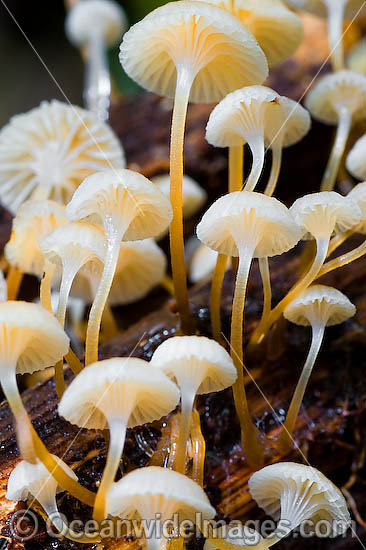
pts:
pixel 289 119
pixel 356 60
pixel 53 147
pixel 198 359
pixel 104 388
pixel 203 263
pixel 320 303
pixel 270 221
pixel 345 89
pixel 298 486
pixel 31 480
pixel 87 16
pixel 194 196
pixel 238 115
pixel 141 266
pixel 358 195
pixel 152 490
pixel 215 45
pixel 319 214
pixel 3 288
pixel 277 29
pixel 353 8
pixel 125 194
pixel 31 336
pixel 356 159
pixel 34 220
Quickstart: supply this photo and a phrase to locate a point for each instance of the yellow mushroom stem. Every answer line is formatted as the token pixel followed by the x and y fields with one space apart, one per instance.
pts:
pixel 236 167
pixel 276 148
pixel 45 290
pixel 343 260
pixel 285 441
pixel 13 281
pixel 215 296
pixel 267 290
pixel 335 32
pixel 332 169
pixel 167 284
pixel 314 271
pixel 183 88
pixel 74 362
pixel 188 395
pixel 109 324
pixel 339 239
pixel 174 437
pixel 198 448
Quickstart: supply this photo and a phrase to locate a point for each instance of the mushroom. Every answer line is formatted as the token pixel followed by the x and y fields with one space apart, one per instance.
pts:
pixel 356 159
pixel 96 25
pixel 153 492
pixel 202 264
pixel 31 340
pixel 277 29
pixel 318 306
pixel 130 208
pixel 189 51
pixel 338 99
pixel 34 481
pixel 356 60
pixel 249 225
pixel 47 152
pixel 116 393
pixel 194 196
pixel 335 11
pixel 198 365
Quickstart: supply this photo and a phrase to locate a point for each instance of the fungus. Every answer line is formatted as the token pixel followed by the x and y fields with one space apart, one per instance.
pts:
pixel 356 159
pixel 356 60
pixel 47 152
pixel 198 365
pixel 130 208
pixel 318 306
pixel 193 195
pixel 96 25
pixel 337 99
pixel 116 393
pixel 152 492
pixel 248 225
pixel 202 263
pixel 189 51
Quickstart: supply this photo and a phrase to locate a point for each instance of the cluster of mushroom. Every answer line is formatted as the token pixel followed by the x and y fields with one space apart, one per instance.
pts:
pixel 85 225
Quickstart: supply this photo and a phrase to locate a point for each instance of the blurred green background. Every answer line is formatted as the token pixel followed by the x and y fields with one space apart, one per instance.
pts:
pixel 24 80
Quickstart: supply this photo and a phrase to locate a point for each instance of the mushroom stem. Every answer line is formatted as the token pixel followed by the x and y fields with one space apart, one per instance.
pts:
pixel 257 147
pixel 59 378
pixel 285 439
pixel 343 129
pixel 97 78
pixel 109 325
pixel 117 430
pixel 335 31
pixel 343 260
pixel 45 289
pixel 215 296
pixel 266 281
pixel 339 239
pixel 236 166
pixel 167 284
pixel 184 83
pixel 314 272
pixel 275 168
pixel 187 399
pixel 199 448
pixel 13 281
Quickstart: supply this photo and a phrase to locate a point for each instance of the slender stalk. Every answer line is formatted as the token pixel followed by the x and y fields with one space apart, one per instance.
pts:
pixel 257 148
pixel 13 281
pixel 74 362
pixel 45 290
pixel 332 169
pixel 275 168
pixel 117 429
pixel 50 507
pixel 97 77
pixel 266 281
pixel 167 284
pixel 285 439
pixel 335 32
pixel 109 325
pixel 187 400
pixel 343 260
pixel 199 448
pixel 339 239
pixel 174 437
pixel 236 166
pixel 215 296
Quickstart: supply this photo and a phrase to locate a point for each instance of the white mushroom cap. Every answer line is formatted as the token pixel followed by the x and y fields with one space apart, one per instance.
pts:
pixel 324 213
pixel 34 220
pixel 295 493
pixel 50 150
pixel 277 29
pixel 87 16
pixel 194 196
pixel 31 336
pixel 151 490
pixel 319 7
pixel 223 53
pixel 125 195
pixel 197 360
pixel 356 159
pixel 203 263
pixel 320 303
pixel 28 480
pixel 356 60
pixel 274 227
pixel 287 119
pixel 104 389
pixel 334 91
pixel 358 195
pixel 3 288
pixel 141 266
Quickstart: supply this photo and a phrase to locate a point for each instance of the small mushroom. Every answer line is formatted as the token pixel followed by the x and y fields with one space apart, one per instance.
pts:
pixel 96 25
pixel 318 306
pixel 356 60
pixel 198 365
pixel 338 99
pixel 189 51
pixel 49 151
pixel 153 492
pixel 246 225
pixel 117 393
pixel 202 264
pixel 130 208
pixel 356 159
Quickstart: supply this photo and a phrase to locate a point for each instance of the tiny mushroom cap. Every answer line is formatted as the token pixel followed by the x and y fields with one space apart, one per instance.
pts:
pixel 320 303
pixel 277 29
pixel 358 194
pixel 107 16
pixel 203 263
pixel 49 151
pixel 222 54
pixel 34 220
pixel 194 196
pixel 295 493
pixel 356 159
pixel 289 121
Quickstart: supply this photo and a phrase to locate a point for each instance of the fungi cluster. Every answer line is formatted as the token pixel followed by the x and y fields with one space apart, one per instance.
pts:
pixel 88 228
